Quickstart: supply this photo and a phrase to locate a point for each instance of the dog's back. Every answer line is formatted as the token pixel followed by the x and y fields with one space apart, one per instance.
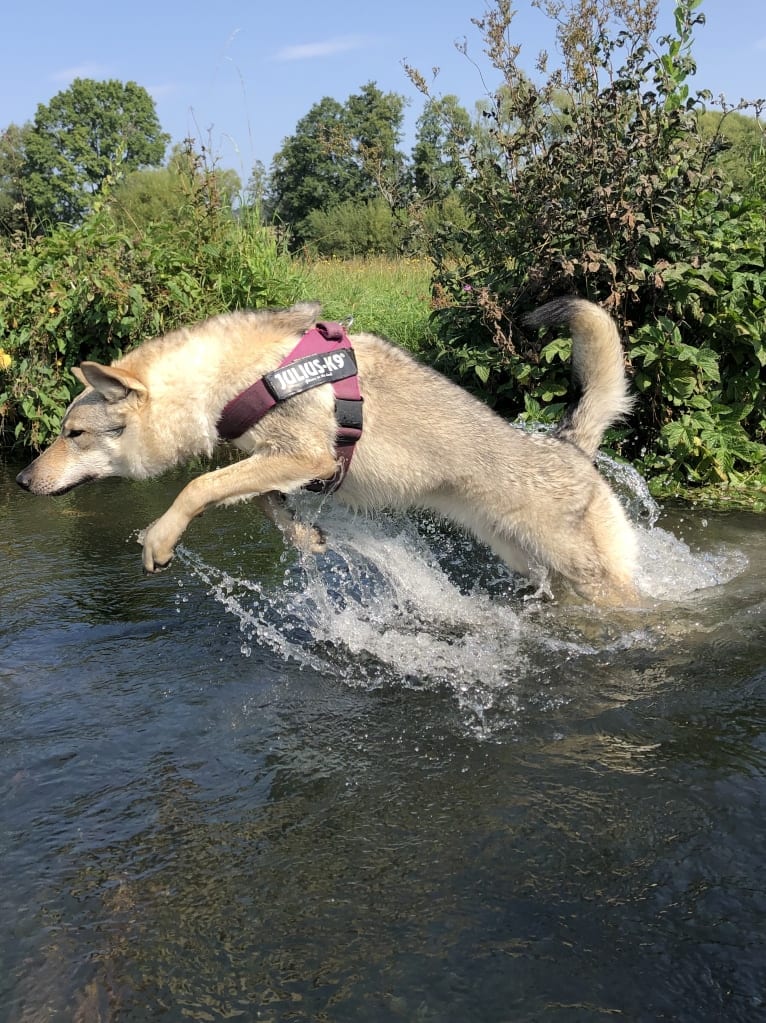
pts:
pixel 535 498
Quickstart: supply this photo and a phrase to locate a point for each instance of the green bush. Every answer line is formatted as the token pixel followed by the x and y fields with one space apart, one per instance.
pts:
pixel 599 183
pixel 93 291
pixel 355 228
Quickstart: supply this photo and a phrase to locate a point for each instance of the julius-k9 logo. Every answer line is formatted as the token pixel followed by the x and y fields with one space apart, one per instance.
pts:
pixel 310 371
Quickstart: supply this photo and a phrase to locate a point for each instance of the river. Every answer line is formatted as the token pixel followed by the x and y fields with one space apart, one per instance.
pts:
pixel 382 784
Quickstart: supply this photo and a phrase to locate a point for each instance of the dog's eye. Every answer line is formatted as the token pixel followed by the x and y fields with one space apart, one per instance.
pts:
pixel 117 431
pixel 74 433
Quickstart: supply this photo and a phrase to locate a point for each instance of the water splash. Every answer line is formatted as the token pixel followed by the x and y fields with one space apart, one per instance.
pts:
pixel 413 602
pixel 631 488
pixel 670 571
pixel 380 608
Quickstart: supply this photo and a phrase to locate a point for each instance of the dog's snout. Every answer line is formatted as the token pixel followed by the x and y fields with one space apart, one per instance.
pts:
pixel 24 479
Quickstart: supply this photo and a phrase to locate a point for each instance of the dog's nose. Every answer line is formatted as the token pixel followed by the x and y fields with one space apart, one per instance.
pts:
pixel 23 479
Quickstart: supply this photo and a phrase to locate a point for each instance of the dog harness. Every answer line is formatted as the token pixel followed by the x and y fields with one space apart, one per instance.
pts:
pixel 322 356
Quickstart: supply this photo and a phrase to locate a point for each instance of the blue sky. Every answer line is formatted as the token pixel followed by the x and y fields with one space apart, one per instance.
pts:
pixel 238 75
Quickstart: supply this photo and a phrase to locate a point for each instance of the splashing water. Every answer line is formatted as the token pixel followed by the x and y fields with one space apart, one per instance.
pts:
pixel 411 601
pixel 379 608
pixel 668 569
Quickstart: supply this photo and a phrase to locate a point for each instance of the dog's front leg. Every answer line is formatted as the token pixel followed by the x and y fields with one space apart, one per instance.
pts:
pixel 252 477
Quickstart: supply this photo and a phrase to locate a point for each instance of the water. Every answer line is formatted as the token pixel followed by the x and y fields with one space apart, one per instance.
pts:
pixel 382 784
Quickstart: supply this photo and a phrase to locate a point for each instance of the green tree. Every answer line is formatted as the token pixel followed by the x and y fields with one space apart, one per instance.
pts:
pixel 436 213
pixel 255 193
pixel 78 139
pixel 443 130
pixel 339 153
pixel 12 200
pixel 308 173
pixel 374 133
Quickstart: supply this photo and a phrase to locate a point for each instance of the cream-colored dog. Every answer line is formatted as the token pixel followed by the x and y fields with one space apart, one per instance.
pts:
pixel 536 499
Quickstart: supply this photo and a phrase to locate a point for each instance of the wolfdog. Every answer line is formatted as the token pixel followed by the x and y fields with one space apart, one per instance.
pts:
pixel 534 498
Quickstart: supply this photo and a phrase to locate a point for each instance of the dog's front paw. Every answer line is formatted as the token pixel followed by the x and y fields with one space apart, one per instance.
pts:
pixel 158 547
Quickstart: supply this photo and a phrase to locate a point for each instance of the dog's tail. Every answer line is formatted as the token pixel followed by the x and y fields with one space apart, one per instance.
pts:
pixel 598 369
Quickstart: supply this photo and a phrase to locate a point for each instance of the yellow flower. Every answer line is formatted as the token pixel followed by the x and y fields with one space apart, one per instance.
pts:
pixel 5 359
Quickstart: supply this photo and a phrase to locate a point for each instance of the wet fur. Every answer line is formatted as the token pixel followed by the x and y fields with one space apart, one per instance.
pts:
pixel 535 499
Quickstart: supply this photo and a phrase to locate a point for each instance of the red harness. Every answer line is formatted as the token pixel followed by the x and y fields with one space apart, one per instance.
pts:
pixel 323 355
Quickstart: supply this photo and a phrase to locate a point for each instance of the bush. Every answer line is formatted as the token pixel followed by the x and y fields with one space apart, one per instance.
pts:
pixel 96 290
pixel 599 183
pixel 353 229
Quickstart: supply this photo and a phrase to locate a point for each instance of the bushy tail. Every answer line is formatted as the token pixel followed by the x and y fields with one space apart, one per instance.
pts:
pixel 597 368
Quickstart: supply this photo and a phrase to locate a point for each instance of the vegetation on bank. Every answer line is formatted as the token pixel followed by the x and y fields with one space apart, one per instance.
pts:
pixel 93 291
pixel 386 296
pixel 607 179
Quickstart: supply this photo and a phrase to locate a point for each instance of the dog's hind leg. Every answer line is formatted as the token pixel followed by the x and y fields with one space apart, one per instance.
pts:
pixel 596 553
pixel 593 546
pixel 303 535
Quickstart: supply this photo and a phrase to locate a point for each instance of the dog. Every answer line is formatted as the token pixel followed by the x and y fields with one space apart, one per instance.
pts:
pixel 536 499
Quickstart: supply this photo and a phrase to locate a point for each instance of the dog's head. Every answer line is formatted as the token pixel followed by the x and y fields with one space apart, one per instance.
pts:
pixel 95 434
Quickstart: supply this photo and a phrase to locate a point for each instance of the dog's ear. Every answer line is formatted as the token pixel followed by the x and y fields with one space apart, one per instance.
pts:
pixel 112 383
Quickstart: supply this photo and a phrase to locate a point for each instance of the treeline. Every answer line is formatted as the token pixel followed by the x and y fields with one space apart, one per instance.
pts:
pixel 341 185
pixel 607 176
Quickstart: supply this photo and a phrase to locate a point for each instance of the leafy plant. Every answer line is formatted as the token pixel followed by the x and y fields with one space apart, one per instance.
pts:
pixel 96 290
pixel 599 182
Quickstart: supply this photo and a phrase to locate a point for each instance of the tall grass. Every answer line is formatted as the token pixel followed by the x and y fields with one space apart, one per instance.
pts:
pixel 385 296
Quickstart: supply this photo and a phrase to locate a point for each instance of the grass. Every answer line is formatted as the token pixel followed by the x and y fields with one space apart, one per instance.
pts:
pixel 390 297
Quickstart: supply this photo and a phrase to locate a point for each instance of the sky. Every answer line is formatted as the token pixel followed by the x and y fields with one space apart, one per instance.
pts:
pixel 237 75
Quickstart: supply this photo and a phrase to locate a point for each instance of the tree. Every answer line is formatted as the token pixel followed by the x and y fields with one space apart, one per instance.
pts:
pixel 442 132
pixel 374 132
pixel 308 173
pixel 255 193
pixel 437 216
pixel 12 201
pixel 78 139
pixel 339 153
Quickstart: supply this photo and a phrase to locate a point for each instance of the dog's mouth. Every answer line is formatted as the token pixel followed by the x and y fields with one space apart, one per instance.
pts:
pixel 26 484
pixel 79 483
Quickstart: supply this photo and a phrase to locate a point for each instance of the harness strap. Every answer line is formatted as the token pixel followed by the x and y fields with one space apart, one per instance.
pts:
pixel 323 355
pixel 245 411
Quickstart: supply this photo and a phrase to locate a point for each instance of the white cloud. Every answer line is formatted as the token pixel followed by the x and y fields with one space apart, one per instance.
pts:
pixel 67 75
pixel 327 48
pixel 160 91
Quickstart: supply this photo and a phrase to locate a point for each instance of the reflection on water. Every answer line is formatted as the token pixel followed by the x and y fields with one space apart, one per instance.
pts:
pixel 380 784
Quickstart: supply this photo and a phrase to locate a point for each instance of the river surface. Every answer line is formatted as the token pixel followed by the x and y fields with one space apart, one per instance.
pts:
pixel 382 784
